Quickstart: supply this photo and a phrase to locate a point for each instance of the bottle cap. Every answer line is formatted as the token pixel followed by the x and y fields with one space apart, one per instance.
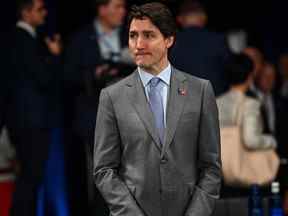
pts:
pixel 275 187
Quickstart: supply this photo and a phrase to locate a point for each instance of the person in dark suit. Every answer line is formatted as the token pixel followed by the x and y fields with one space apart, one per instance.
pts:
pixel 157 148
pixel 4 78
pixel 258 63
pixel 197 50
pixel 32 105
pixel 96 56
pixel 265 93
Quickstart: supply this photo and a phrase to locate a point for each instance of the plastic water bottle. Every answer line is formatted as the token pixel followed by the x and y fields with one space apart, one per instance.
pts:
pixel 255 202
pixel 275 202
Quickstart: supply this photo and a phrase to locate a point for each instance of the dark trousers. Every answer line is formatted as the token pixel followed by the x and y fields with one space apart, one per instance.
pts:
pixel 32 152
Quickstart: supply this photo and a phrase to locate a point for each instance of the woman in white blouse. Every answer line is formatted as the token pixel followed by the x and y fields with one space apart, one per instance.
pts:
pixel 239 73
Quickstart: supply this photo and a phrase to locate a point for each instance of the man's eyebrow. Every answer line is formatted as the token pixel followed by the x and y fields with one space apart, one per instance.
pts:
pixel 144 32
pixel 148 31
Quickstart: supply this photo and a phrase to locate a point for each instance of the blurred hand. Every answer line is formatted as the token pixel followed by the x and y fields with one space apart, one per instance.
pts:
pixel 54 44
pixel 113 72
pixel 100 70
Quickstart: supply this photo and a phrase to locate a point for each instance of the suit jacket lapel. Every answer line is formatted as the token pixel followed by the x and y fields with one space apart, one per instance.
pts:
pixel 137 97
pixel 176 101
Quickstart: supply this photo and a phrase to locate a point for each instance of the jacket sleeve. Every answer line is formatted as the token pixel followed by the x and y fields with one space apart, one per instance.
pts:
pixel 207 189
pixel 252 128
pixel 107 158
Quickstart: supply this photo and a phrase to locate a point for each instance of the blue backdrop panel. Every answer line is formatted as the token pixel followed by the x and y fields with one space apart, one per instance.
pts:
pixel 52 196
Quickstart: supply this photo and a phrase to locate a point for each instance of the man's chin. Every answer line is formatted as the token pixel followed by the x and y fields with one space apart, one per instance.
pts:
pixel 142 65
pixel 40 23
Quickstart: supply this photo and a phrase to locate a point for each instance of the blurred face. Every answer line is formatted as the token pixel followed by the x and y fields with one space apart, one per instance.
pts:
pixel 257 58
pixel 36 14
pixel 113 13
pixel 192 19
pixel 267 79
pixel 148 46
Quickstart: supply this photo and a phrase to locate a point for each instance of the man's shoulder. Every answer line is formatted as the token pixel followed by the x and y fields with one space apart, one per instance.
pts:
pixel 20 39
pixel 21 34
pixel 191 78
pixel 117 88
pixel 83 33
pixel 195 84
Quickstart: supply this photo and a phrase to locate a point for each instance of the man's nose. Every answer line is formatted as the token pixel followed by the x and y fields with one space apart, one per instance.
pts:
pixel 140 43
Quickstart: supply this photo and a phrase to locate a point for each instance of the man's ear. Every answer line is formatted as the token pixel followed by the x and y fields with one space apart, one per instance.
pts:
pixel 170 41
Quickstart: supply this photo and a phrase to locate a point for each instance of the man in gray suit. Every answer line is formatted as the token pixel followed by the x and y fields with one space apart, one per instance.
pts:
pixel 157 149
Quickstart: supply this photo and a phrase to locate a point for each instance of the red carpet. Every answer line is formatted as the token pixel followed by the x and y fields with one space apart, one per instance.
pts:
pixel 6 190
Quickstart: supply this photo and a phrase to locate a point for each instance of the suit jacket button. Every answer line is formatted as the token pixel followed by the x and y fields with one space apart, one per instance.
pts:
pixel 164 160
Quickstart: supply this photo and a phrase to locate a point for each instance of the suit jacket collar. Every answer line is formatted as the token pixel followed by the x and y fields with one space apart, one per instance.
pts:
pixel 176 101
pixel 138 99
pixel 176 75
pixel 93 34
pixel 164 75
pixel 26 27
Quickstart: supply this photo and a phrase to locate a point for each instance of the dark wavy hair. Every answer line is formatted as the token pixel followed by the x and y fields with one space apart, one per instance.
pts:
pixel 238 68
pixel 158 14
pixel 21 5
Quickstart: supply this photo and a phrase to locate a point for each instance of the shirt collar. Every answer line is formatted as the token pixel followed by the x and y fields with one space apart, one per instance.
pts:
pixel 27 27
pixel 164 75
pixel 100 31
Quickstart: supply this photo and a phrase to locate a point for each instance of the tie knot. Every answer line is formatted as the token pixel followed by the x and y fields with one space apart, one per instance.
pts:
pixel 154 81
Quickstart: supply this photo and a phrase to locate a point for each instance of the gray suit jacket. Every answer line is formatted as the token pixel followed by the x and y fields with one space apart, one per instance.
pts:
pixel 137 176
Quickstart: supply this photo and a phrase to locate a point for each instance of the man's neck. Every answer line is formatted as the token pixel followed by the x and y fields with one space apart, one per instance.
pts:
pixel 106 28
pixel 155 69
pixel 241 87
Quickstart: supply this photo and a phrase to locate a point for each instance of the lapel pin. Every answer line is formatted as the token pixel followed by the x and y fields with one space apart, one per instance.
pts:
pixel 182 92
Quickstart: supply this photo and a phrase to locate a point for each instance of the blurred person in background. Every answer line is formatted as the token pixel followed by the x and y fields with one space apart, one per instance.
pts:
pixel 273 108
pixel 282 96
pixel 33 103
pixel 265 83
pixel 283 69
pixel 5 149
pixel 96 56
pixel 258 61
pixel 92 59
pixel 239 73
pixel 198 50
pixel 262 89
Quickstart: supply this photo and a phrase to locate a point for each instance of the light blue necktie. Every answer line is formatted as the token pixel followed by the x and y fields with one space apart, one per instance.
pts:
pixel 156 104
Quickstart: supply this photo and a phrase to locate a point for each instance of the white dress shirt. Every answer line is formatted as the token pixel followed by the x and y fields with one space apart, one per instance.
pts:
pixel 165 77
pixel 109 43
pixel 27 27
